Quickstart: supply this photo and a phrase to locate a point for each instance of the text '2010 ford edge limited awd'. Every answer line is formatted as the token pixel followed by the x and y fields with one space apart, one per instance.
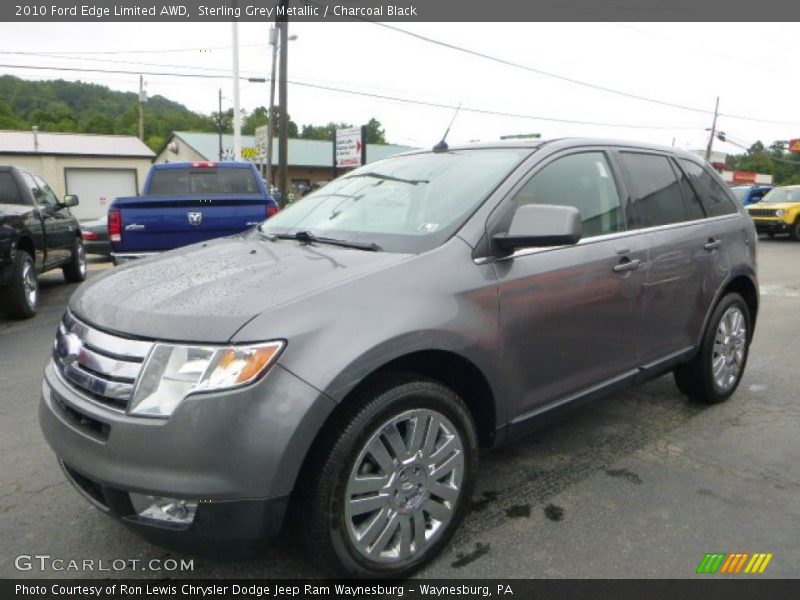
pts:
pixel 343 363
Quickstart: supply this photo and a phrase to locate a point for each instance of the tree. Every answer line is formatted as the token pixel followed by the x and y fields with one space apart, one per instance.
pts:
pixel 375 133
pixel 773 160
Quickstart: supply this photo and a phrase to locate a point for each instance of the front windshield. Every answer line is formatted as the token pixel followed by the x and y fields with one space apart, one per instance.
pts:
pixel 786 194
pixel 407 203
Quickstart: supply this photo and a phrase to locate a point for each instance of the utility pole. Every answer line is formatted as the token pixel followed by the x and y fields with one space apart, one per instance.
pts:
pixel 219 124
pixel 142 100
pixel 283 142
pixel 237 115
pixel 713 132
pixel 273 41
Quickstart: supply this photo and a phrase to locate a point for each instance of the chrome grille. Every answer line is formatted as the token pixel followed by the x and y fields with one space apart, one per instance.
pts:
pixel 762 212
pixel 102 366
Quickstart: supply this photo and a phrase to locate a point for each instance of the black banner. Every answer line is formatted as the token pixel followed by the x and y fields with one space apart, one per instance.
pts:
pixel 399 10
pixel 712 588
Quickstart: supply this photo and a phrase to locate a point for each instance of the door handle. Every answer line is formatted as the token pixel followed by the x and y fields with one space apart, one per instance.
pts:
pixel 626 265
pixel 712 244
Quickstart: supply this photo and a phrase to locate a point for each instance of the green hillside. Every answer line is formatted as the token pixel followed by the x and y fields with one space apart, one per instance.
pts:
pixel 89 108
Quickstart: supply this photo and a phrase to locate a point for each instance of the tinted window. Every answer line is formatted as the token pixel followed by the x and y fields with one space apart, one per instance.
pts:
pixel 48 196
pixel 655 190
pixel 202 181
pixel 34 189
pixel 9 192
pixel 715 201
pixel 583 181
pixel 693 204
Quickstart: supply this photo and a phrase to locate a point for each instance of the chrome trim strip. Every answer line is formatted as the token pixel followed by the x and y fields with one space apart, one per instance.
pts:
pixel 113 390
pixel 601 238
pixel 111 345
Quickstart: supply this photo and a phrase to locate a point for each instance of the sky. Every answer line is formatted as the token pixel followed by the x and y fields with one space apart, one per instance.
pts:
pixel 750 66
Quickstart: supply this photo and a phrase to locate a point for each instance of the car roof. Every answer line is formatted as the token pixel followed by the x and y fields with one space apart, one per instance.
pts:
pixel 567 142
pixel 228 164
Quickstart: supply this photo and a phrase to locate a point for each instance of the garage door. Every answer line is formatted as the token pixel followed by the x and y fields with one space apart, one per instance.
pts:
pixel 97 188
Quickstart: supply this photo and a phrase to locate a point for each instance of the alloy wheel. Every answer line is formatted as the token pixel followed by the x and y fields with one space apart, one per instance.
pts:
pixel 730 344
pixel 30 284
pixel 404 486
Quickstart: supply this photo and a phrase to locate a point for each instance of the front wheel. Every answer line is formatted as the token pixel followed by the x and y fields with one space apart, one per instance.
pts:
pixel 715 372
pixel 22 296
pixel 794 232
pixel 390 482
pixel 75 269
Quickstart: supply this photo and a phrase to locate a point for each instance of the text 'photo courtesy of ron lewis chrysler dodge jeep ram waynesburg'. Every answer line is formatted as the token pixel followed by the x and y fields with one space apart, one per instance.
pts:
pixel 337 369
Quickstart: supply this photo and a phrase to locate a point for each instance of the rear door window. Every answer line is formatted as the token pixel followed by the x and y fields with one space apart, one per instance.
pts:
pixel 654 188
pixel 9 191
pixel 713 197
pixel 584 181
pixel 203 181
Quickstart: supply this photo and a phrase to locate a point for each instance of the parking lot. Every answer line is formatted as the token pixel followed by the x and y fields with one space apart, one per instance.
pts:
pixel 641 484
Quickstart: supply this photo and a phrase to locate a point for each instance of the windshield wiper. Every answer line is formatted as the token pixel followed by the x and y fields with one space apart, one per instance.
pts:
pixel 307 238
pixel 390 178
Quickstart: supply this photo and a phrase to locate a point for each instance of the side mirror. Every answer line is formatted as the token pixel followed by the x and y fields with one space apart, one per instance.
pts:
pixel 69 200
pixel 541 225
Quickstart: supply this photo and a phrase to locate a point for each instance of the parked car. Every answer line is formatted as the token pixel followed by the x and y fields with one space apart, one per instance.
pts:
pixel 750 194
pixel 344 362
pixel 185 203
pixel 95 236
pixel 778 212
pixel 37 234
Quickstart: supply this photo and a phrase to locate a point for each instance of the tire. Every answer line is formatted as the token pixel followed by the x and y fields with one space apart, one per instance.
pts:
pixel 771 235
pixel 794 233
pixel 75 269
pixel 21 298
pixel 697 378
pixel 375 533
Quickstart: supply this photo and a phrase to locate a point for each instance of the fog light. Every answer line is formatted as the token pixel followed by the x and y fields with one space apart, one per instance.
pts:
pixel 168 510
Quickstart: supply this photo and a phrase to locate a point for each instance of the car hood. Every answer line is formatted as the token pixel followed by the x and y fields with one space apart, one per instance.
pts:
pixel 773 205
pixel 206 292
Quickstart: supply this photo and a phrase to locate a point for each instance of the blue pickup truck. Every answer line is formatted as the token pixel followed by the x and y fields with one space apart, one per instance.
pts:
pixel 187 202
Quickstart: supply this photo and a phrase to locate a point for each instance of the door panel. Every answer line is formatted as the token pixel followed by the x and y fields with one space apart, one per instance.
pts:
pixel 569 315
pixel 58 225
pixel 568 320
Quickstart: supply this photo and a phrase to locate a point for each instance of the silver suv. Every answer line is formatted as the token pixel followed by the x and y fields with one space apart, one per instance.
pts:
pixel 343 363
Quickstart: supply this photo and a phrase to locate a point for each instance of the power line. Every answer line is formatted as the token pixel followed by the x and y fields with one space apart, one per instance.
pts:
pixel 475 110
pixel 109 52
pixel 510 63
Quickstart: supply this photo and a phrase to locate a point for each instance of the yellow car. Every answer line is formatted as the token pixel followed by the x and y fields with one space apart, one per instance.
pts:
pixel 778 212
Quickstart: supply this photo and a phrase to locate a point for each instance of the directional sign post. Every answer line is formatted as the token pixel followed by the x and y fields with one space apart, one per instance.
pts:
pixel 349 148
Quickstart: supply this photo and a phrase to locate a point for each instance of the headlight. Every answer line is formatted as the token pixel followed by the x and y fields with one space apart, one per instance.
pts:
pixel 780 212
pixel 172 372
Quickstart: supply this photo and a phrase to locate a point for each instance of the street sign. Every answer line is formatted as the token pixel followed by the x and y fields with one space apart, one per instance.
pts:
pixel 794 146
pixel 744 177
pixel 262 137
pixel 348 147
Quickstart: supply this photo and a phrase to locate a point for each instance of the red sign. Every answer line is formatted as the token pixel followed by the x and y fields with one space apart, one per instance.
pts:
pixel 794 146
pixel 744 177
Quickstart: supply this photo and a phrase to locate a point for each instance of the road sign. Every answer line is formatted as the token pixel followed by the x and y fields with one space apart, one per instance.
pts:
pixel 262 137
pixel 794 146
pixel 348 147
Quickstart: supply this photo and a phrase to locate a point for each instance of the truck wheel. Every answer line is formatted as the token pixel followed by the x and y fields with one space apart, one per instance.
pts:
pixel 22 296
pixel 715 372
pixel 389 482
pixel 75 269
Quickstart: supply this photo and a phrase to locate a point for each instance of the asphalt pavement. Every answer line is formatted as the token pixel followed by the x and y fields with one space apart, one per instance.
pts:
pixel 640 484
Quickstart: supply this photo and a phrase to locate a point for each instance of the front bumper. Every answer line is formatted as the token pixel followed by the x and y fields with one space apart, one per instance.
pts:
pixel 236 454
pixel 771 226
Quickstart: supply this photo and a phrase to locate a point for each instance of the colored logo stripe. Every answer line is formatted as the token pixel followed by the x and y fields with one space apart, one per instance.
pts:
pixel 721 562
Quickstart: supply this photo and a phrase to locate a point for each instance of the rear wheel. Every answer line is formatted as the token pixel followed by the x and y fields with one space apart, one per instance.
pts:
pixel 715 372
pixel 22 296
pixel 390 482
pixel 75 269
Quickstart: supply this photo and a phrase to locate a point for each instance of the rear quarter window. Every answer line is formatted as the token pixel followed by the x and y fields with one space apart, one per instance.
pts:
pixel 203 181
pixel 713 197
pixel 9 191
